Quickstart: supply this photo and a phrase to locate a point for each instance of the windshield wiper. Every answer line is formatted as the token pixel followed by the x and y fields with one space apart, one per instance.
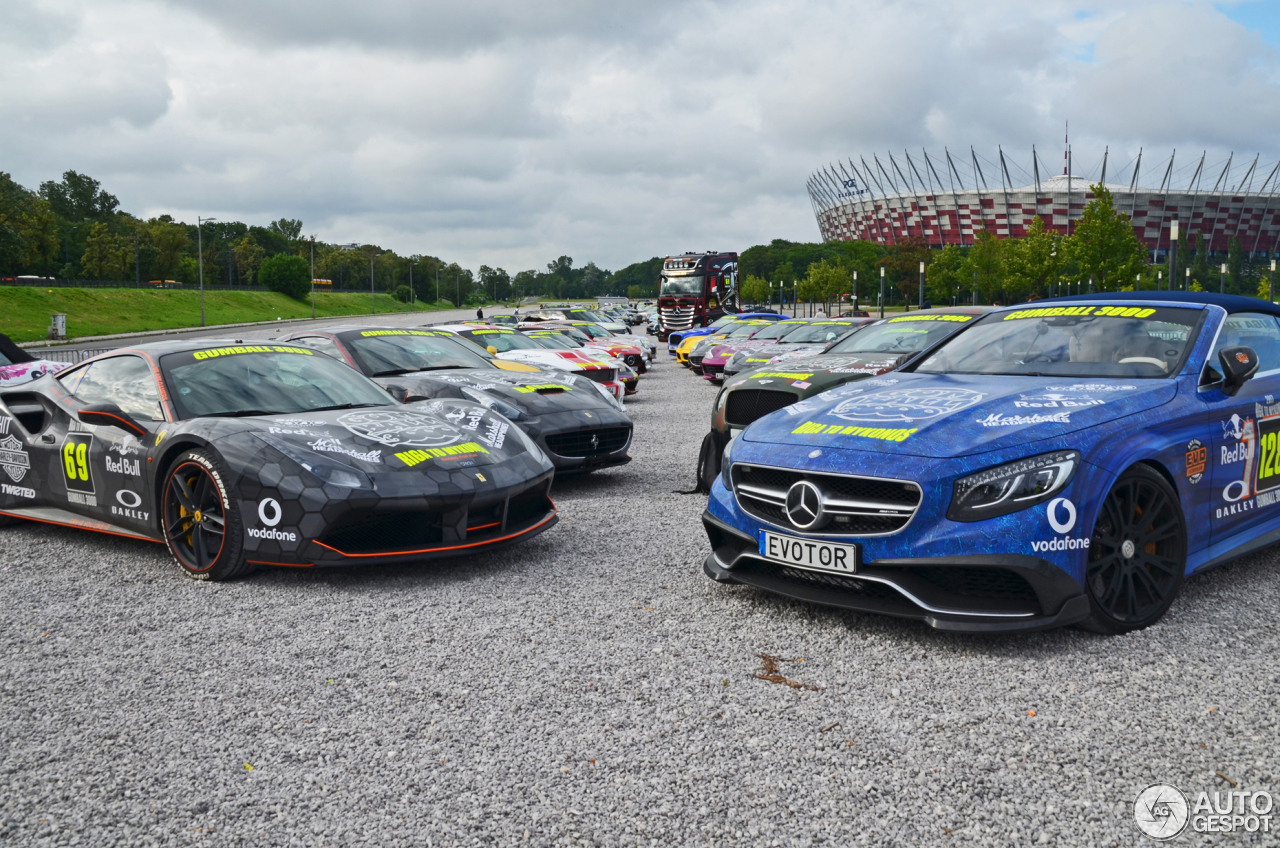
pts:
pixel 394 372
pixel 344 406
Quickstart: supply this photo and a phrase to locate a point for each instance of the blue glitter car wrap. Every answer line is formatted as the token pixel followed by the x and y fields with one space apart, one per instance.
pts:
pixel 888 462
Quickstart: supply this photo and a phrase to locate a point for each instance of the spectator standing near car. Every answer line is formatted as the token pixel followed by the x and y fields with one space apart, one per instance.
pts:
pixel 480 313
pixel 821 314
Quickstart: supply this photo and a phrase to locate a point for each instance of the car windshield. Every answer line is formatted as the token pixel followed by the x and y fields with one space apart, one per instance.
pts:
pixel 592 330
pixel 722 320
pixel 820 331
pixel 500 340
pixel 682 285
pixel 744 330
pixel 382 353
pixel 554 341
pixel 1072 341
pixel 588 315
pixel 905 334
pixel 263 380
pixel 778 330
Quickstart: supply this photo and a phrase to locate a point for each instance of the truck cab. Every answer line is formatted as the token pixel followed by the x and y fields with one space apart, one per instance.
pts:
pixel 696 289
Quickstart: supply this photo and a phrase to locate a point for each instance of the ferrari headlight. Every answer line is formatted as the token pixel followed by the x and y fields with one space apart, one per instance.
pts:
pixel 1013 486
pixel 328 470
pixel 506 410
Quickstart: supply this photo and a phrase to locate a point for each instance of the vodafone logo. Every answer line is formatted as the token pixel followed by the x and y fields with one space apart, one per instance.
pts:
pixel 1068 520
pixel 269 512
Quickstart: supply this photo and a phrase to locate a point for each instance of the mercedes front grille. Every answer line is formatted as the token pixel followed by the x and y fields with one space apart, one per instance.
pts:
pixel 675 318
pixel 600 375
pixel 858 506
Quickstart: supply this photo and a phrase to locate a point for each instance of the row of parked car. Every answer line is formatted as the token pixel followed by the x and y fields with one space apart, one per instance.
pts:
pixel 346 444
pixel 993 469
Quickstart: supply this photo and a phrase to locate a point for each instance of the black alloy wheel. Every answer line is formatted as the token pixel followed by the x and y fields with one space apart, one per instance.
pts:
pixel 202 533
pixel 1137 555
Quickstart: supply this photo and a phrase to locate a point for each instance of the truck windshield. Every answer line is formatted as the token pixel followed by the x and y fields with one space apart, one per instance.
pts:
pixel 682 285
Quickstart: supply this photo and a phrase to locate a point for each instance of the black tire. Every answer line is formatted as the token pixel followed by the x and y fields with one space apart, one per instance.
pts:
pixel 709 461
pixel 210 546
pixel 1143 518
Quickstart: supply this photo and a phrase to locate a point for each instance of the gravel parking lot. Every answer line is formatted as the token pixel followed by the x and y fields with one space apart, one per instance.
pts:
pixel 593 687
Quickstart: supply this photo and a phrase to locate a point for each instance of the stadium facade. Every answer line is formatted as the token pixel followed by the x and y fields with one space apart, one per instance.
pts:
pixel 945 201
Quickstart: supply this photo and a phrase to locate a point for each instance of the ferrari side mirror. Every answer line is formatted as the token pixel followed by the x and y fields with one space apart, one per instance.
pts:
pixel 491 349
pixel 1238 364
pixel 110 415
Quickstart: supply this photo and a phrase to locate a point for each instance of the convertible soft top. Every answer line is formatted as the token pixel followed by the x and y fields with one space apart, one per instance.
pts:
pixel 1230 302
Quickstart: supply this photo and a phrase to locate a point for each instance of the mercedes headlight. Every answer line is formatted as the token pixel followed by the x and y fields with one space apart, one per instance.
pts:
pixel 724 467
pixel 1013 486
pixel 506 410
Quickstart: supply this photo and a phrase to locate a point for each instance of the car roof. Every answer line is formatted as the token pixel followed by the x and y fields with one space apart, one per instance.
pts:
pixel 1229 302
pixel 161 348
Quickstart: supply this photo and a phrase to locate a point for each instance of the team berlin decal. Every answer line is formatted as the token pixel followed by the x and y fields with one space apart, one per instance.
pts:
pixel 401 428
pixel 906 405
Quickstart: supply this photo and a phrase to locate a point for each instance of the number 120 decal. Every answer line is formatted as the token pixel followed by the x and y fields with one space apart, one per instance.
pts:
pixel 76 451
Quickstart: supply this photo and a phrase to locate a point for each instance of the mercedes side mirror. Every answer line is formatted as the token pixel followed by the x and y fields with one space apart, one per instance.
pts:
pixel 1238 364
pixel 110 415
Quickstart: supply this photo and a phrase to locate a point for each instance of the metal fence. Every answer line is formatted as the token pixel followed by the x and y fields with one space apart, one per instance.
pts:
pixel 71 357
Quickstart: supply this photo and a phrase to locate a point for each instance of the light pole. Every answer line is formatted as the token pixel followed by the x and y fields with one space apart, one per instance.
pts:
pixel 855 289
pixel 1137 286
pixel 1159 280
pixel 1222 282
pixel 881 291
pixel 137 262
pixel 1173 253
pixel 1271 286
pixel 412 300
pixel 200 222
pixel 922 284
pixel 975 288
pixel 313 278
pixel 1187 285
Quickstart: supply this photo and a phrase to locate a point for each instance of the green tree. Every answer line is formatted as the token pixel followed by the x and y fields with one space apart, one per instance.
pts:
pixel 754 290
pixel 290 275
pixel 1032 264
pixel 828 280
pixel 1236 268
pixel 248 256
pixel 986 266
pixel 101 260
pixel 947 273
pixel 902 266
pixel 495 282
pixel 78 197
pixel 403 294
pixel 1200 265
pixel 40 233
pixel 1103 245
pixel 170 241
pixel 290 228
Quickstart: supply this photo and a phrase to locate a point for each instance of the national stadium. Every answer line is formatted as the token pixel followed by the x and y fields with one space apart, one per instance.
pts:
pixel 947 199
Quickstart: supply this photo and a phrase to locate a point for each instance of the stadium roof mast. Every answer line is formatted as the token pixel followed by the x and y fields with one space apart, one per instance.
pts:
pixel 1035 170
pixel 951 166
pixel 954 199
pixel 919 214
pixel 861 201
pixel 937 224
pixel 1006 183
pixel 1221 181
pixel 1165 185
pixel 1133 186
pixel 1266 208
pixel 977 172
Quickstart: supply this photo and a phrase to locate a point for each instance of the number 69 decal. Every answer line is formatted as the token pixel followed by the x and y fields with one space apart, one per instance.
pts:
pixel 76 452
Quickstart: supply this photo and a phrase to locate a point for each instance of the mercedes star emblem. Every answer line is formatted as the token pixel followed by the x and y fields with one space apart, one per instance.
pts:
pixel 804 506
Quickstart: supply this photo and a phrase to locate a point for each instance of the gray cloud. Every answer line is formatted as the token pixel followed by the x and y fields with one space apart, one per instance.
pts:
pixel 510 133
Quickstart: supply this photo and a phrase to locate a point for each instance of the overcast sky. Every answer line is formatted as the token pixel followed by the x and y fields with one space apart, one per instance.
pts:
pixel 508 132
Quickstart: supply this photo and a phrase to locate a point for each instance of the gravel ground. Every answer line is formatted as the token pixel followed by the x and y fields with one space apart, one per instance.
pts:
pixel 593 687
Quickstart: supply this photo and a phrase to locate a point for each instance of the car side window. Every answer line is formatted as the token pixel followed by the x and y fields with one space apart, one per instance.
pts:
pixel 323 344
pixel 1251 329
pixel 126 381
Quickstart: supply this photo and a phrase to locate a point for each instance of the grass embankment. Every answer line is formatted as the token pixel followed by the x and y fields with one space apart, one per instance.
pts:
pixel 25 311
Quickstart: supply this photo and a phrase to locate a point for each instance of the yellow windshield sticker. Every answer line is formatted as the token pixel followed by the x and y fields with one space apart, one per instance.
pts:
pixel 492 332
pixel 232 351
pixel 1104 311
pixel 812 428
pixel 371 333
pixel 959 319
pixel 783 375
pixel 529 389
pixel 413 457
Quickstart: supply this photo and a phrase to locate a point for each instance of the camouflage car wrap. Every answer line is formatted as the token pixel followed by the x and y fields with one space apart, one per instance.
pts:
pixel 378 483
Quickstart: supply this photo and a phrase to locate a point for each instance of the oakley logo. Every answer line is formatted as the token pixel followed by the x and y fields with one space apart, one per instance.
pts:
pixel 804 505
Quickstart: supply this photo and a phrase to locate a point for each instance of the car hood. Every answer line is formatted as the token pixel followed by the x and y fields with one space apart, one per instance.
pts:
pixel 381 440
pixel 943 415
pixel 534 393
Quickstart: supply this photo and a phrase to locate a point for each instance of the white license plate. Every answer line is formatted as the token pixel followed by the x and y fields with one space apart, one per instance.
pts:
pixel 809 553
